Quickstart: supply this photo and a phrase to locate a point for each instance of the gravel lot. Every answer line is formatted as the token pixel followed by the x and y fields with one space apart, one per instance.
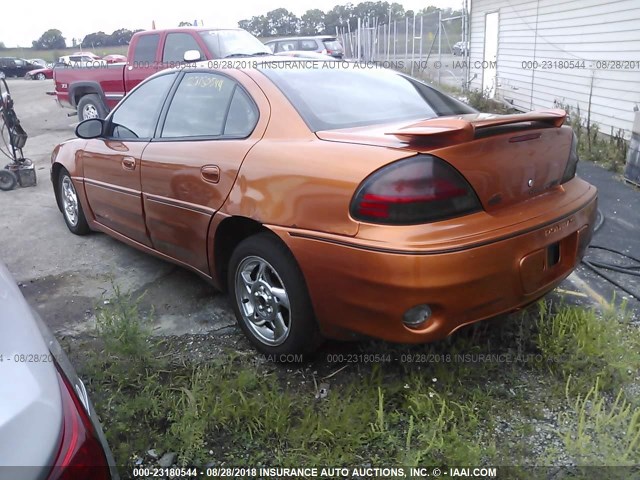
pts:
pixel 64 276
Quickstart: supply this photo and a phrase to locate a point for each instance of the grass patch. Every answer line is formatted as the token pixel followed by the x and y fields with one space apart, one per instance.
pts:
pixel 585 344
pixel 477 401
pixel 607 432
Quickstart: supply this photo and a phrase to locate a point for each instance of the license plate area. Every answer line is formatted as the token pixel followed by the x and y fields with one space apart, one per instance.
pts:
pixel 542 267
pixel 553 254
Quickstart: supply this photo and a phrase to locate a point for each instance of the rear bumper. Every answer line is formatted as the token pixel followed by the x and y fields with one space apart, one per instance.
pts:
pixel 367 290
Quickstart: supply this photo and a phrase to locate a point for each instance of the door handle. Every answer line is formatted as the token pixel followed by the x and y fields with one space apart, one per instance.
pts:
pixel 210 173
pixel 129 163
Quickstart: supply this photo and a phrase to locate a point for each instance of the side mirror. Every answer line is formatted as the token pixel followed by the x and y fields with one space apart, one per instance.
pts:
pixel 192 56
pixel 90 128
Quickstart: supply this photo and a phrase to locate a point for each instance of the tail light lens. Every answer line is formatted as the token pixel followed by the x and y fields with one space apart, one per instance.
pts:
pixel 80 456
pixel 420 189
pixel 572 163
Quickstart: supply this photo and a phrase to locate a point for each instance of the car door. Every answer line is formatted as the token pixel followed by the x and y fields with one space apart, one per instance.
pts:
pixel 144 62
pixel 189 169
pixel 10 68
pixel 111 165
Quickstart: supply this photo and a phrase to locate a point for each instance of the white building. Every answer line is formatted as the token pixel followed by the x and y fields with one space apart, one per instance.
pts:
pixel 548 52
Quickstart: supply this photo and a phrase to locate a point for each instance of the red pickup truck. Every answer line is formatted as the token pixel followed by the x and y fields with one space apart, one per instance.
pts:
pixel 93 90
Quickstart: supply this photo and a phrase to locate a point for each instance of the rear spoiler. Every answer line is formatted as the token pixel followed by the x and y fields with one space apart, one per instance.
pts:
pixel 448 130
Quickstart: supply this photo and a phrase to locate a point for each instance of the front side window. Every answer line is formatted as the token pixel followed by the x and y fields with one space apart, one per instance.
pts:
pixel 146 48
pixel 137 115
pixel 175 46
pixel 209 105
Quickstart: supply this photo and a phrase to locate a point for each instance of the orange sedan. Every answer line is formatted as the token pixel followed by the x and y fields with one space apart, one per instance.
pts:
pixel 331 200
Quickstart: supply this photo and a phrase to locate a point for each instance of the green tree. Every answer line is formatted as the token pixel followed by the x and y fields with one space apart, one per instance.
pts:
pixel 339 16
pixel 257 25
pixel 397 11
pixel 121 36
pixel 185 24
pixel 312 22
pixel 95 40
pixel 282 22
pixel 49 40
pixel 2 46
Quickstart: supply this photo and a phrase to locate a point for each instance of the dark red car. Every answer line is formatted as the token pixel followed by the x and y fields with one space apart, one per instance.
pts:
pixel 39 74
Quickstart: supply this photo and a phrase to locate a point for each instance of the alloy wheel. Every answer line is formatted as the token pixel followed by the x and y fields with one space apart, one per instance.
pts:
pixel 263 300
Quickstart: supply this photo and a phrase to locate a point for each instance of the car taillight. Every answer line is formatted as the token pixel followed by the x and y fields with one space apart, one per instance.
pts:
pixel 80 455
pixel 572 163
pixel 420 189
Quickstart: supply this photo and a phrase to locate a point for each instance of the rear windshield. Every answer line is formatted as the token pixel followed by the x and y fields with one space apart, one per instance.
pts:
pixel 330 98
pixel 332 44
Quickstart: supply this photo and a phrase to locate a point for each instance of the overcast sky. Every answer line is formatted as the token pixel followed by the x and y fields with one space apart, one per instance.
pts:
pixel 25 20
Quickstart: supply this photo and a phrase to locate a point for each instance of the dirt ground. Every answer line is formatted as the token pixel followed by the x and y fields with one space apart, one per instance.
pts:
pixel 65 276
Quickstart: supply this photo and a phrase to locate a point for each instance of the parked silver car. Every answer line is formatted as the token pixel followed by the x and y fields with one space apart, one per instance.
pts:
pixel 48 427
pixel 325 44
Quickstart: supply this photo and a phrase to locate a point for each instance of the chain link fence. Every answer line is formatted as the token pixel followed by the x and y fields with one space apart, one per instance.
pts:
pixel 426 46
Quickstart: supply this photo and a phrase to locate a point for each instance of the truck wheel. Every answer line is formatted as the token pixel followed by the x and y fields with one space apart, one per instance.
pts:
pixel 91 106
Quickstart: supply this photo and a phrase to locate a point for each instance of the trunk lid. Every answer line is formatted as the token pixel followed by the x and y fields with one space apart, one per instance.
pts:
pixel 506 158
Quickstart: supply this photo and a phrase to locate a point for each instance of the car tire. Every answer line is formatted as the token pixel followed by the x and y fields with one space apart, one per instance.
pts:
pixel 72 211
pixel 8 180
pixel 41 76
pixel 270 298
pixel 91 106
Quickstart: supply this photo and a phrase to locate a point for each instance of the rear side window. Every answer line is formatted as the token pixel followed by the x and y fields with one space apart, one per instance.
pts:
pixel 309 45
pixel 146 48
pixel 137 115
pixel 175 46
pixel 204 103
pixel 333 45
pixel 243 115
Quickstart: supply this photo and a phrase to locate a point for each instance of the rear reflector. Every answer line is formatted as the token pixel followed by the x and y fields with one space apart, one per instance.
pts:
pixel 80 456
pixel 420 189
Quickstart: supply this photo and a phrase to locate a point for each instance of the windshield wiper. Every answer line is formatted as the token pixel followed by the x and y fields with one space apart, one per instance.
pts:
pixel 248 54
